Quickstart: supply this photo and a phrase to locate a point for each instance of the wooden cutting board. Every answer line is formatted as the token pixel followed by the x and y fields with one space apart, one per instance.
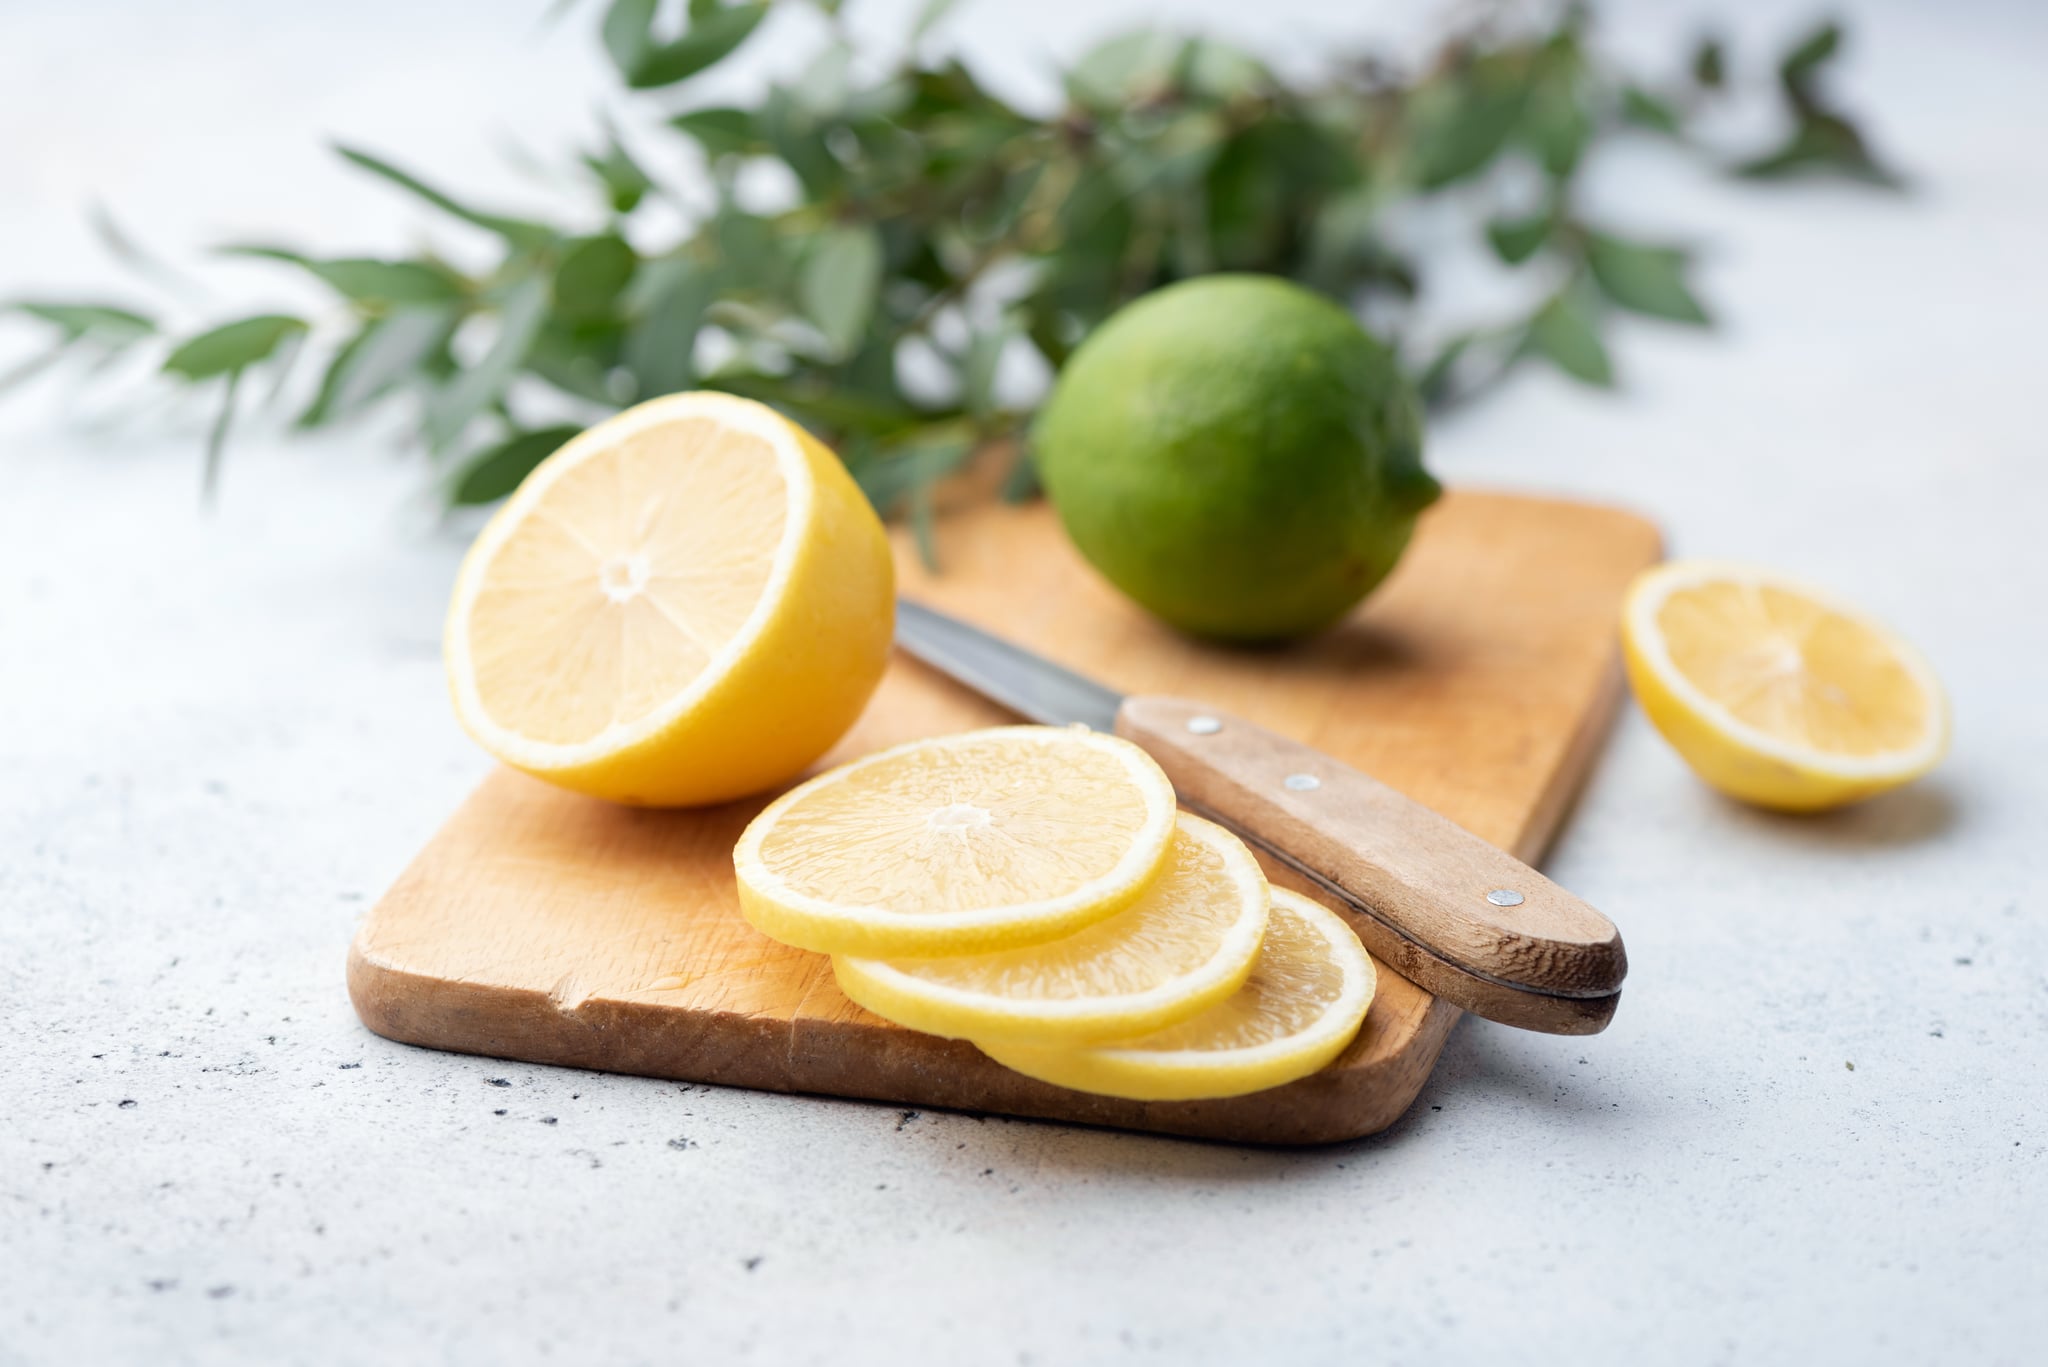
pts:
pixel 552 928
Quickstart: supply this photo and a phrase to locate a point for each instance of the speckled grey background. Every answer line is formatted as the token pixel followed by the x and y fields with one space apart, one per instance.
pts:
pixel 1815 1133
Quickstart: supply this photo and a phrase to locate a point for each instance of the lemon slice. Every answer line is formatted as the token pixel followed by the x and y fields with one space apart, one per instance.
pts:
pixel 965 843
pixel 1773 692
pixel 1303 1003
pixel 689 602
pixel 1184 945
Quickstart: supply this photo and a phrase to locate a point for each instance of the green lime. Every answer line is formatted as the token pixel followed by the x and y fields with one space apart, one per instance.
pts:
pixel 1238 455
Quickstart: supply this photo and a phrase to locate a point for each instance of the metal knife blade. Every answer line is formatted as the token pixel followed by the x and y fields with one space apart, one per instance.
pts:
pixel 1028 684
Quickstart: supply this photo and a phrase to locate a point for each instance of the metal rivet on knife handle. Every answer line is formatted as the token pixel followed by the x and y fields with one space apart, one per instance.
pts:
pixel 1204 726
pixel 1505 897
pixel 1302 783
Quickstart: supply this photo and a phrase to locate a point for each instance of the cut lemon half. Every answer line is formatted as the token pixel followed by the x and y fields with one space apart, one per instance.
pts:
pixel 1303 1003
pixel 1185 944
pixel 689 602
pixel 971 842
pixel 1775 693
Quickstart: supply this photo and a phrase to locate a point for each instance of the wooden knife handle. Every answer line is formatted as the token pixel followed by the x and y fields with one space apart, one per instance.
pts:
pixel 1457 915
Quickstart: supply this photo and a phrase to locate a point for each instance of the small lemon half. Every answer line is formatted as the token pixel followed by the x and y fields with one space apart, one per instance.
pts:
pixel 1774 692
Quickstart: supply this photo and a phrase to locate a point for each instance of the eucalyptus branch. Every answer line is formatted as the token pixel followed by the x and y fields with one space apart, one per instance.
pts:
pixel 924 198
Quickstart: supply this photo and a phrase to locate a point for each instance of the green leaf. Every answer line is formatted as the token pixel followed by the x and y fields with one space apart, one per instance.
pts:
pixel 1644 110
pixel 1822 144
pixel 1433 385
pixel 752 252
pixel 388 350
pixel 365 280
pixel 1515 240
pixel 646 62
pixel 914 464
pixel 661 343
pixel 518 231
pixel 232 347
pixel 217 438
pixel 840 283
pixel 1807 56
pixel 101 322
pixel 1217 71
pixel 625 181
pixel 1710 64
pixel 720 131
pixel 978 369
pixel 592 274
pixel 1565 334
pixel 1643 278
pixel 1125 69
pixel 1556 126
pixel 496 471
pixel 1460 126
pixel 519 321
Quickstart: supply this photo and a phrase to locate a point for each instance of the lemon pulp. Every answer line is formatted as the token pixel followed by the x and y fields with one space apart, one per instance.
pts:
pixel 1008 836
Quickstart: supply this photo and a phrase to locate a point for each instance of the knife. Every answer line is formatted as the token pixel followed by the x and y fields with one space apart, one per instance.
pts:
pixel 1459 917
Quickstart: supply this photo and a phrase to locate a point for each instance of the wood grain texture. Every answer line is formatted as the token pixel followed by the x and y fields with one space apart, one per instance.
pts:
pixel 1423 877
pixel 539 925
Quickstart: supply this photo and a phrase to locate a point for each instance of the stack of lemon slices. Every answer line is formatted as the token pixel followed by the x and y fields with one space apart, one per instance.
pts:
pixel 1034 890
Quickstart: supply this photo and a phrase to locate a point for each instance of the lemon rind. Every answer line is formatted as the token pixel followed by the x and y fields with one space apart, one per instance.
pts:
pixel 543 757
pixel 1639 615
pixel 941 1009
pixel 1208 1074
pixel 797 918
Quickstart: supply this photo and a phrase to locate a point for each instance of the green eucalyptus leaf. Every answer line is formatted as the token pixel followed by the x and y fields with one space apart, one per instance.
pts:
pixel 232 347
pixel 647 62
pixel 100 322
pixel 1214 70
pixel 1434 384
pixel 518 231
pixel 1645 110
pixel 497 470
pixel 1461 125
pixel 1127 68
pixel 1821 144
pixel 661 343
pixel 1643 278
pixel 1806 57
pixel 840 283
pixel 591 275
pixel 626 183
pixel 1515 240
pixel 520 317
pixel 751 251
pixel 387 351
pixel 1710 64
pixel 365 280
pixel 628 32
pixel 1565 333
pixel 1556 126
pixel 978 368
pixel 720 131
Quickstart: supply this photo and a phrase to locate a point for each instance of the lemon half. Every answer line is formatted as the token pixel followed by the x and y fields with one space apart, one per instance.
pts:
pixel 1185 944
pixel 1304 1002
pixel 977 841
pixel 687 603
pixel 1776 693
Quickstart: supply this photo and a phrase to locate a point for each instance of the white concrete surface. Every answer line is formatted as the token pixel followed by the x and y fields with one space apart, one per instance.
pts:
pixel 1817 1133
